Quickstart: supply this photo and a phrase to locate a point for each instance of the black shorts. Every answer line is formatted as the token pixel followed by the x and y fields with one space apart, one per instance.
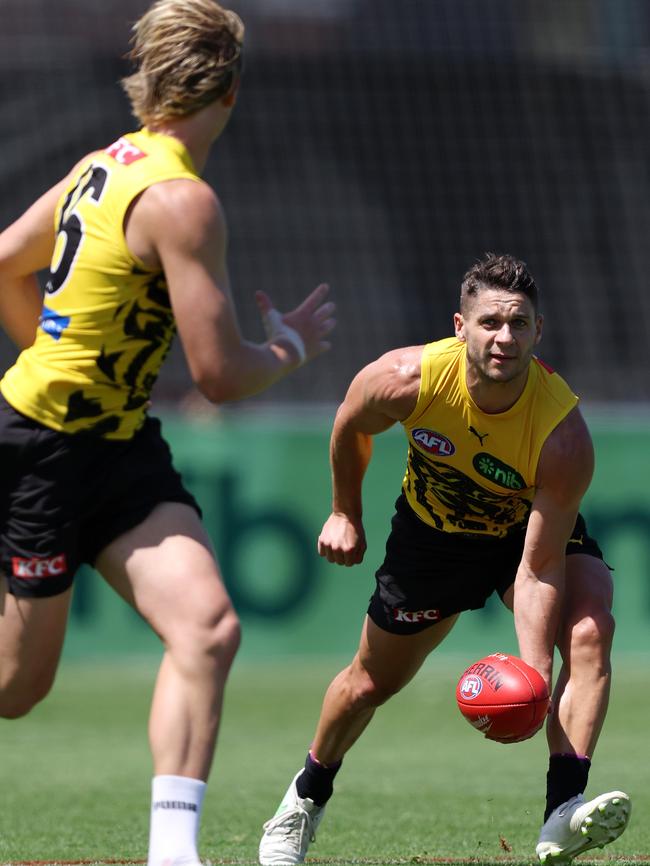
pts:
pixel 428 575
pixel 64 497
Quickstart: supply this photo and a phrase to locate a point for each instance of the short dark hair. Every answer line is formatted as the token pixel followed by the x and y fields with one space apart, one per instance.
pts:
pixel 498 272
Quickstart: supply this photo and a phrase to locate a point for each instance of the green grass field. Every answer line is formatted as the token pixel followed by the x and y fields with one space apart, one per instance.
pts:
pixel 420 786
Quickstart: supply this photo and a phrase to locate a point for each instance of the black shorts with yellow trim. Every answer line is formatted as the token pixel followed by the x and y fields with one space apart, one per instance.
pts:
pixel 64 497
pixel 428 575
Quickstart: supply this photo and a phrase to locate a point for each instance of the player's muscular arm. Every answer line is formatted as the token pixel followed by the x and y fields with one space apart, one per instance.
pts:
pixel 382 393
pixel 181 224
pixel 26 247
pixel 564 474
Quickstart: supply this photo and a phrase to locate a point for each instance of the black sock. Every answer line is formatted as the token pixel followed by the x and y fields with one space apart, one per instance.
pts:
pixel 567 776
pixel 317 780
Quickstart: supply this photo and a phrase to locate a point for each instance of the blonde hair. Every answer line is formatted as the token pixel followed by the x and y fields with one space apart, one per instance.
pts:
pixel 188 54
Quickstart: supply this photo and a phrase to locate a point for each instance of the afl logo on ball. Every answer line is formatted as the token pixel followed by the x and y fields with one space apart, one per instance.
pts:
pixel 471 687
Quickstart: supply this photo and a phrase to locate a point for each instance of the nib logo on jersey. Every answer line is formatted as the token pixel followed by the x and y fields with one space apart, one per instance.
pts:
pixel 38 566
pixel 497 471
pixel 413 616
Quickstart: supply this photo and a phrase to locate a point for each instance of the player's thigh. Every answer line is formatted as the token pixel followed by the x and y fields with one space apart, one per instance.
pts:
pixel 588 599
pixel 32 631
pixel 392 660
pixel 588 583
pixel 588 586
pixel 587 603
pixel 166 568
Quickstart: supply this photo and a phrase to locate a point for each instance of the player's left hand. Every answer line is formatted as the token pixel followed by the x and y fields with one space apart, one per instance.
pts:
pixel 306 327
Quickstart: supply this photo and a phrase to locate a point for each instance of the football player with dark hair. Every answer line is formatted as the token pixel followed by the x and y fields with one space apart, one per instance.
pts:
pixel 499 458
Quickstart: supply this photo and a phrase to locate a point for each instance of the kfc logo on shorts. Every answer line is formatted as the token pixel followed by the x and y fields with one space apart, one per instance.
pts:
pixel 434 443
pixel 38 566
pixel 412 616
pixel 471 687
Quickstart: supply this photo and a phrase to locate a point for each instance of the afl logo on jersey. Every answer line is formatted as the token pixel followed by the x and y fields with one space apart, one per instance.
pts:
pixel 434 443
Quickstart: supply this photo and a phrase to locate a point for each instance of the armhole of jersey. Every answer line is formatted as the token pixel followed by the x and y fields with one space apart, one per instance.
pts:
pixel 425 387
pixel 551 427
pixel 73 179
pixel 130 256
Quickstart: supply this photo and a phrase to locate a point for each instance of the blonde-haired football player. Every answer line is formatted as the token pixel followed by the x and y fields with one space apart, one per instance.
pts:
pixel 135 243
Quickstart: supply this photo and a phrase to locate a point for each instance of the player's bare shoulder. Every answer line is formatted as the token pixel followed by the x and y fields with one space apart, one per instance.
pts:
pixel 567 459
pixel 182 205
pixel 180 215
pixel 392 382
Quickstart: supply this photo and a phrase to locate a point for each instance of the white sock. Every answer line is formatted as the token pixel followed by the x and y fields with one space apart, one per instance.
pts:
pixel 176 803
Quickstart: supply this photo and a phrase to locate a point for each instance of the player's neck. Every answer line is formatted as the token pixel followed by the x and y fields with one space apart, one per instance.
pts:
pixel 196 132
pixel 493 397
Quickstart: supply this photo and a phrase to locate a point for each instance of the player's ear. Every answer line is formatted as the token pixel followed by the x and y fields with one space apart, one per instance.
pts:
pixel 459 326
pixel 539 323
pixel 231 97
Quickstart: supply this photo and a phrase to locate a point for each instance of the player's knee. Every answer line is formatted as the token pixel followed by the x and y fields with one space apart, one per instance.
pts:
pixel 227 637
pixel 369 691
pixel 202 632
pixel 218 638
pixel 593 634
pixel 17 700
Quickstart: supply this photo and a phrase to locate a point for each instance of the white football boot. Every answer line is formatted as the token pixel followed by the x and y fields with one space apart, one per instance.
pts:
pixel 576 826
pixel 288 834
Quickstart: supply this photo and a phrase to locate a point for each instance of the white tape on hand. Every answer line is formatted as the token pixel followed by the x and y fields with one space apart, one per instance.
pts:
pixel 275 328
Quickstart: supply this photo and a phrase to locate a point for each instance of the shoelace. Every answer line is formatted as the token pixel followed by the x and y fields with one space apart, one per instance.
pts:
pixel 296 819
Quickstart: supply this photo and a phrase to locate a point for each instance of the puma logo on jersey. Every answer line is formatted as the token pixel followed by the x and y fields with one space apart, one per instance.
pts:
pixel 479 436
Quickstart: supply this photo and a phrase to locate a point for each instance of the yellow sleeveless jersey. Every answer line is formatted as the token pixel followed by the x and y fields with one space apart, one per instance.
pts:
pixel 469 471
pixel 107 323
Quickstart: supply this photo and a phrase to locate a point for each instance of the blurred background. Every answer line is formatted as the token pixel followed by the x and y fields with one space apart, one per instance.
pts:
pixel 381 146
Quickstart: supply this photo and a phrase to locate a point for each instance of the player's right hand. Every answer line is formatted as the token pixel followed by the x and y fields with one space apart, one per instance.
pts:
pixel 342 540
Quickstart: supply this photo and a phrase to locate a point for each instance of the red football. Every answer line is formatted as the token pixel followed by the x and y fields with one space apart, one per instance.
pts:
pixel 502 696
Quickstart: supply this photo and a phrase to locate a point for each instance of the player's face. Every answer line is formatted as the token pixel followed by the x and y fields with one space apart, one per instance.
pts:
pixel 501 331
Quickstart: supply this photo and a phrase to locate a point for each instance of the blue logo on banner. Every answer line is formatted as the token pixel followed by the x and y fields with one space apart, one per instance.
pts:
pixel 52 323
